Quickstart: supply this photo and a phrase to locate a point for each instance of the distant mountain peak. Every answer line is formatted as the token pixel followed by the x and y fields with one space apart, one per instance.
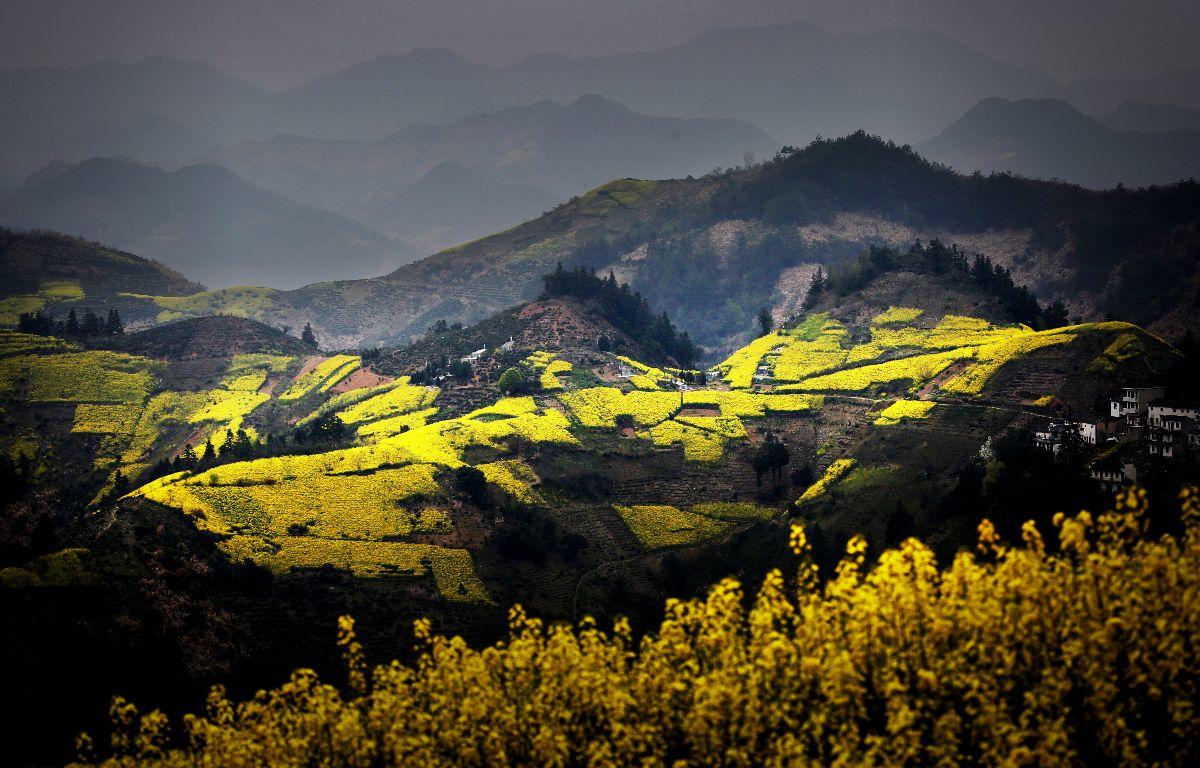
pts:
pixel 1049 138
pixel 423 58
pixel 591 102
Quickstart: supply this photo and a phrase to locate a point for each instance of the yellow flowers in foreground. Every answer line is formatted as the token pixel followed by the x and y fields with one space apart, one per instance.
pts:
pixel 1009 656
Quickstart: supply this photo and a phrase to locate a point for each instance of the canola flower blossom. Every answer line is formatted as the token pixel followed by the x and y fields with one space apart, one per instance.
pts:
pixel 1078 654
pixel 904 410
pixel 836 471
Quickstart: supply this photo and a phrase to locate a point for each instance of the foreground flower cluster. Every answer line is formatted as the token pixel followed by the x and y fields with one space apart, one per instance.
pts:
pixel 1009 656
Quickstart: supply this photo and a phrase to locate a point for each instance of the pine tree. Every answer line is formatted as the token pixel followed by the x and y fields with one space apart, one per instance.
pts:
pixel 113 325
pixel 308 337
pixel 91 324
pixel 816 288
pixel 766 323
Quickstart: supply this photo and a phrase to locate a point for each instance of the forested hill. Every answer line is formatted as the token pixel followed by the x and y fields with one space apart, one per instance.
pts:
pixel 712 251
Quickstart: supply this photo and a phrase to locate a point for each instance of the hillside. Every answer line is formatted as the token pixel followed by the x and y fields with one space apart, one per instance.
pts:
pixel 711 251
pixel 52 272
pixel 1051 139
pixel 202 220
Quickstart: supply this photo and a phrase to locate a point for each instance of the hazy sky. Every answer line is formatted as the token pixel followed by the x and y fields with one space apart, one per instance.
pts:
pixel 278 43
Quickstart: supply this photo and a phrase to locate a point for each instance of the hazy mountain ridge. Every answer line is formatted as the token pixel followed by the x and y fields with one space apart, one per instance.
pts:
pixel 729 73
pixel 1135 115
pixel 515 163
pixel 202 220
pixel 1100 95
pixel 793 80
pixel 184 107
pixel 1051 139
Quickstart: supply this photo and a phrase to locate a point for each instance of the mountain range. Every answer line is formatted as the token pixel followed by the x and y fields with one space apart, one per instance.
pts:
pixel 439 185
pixel 409 154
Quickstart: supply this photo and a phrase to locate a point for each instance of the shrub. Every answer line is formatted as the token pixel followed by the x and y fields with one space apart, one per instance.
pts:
pixel 512 380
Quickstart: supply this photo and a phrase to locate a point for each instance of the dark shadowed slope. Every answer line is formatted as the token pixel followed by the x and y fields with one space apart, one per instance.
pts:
pixel 212 336
pixel 52 272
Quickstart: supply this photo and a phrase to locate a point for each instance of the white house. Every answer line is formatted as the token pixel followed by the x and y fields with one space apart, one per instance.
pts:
pixel 1134 402
pixel 1173 428
pixel 1051 438
pixel 1113 473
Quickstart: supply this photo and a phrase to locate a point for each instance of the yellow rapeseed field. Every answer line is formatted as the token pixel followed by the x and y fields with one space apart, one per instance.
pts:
pixel 1009 656
pixel 657 526
pixel 903 410
pixel 833 473
pixel 322 377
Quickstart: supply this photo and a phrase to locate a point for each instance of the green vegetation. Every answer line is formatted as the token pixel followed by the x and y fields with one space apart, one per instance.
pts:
pixel 656 335
pixel 242 301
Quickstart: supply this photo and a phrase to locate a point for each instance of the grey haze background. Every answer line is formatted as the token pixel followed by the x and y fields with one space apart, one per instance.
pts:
pixel 280 43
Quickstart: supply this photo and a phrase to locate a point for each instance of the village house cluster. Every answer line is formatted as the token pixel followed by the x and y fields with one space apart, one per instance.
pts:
pixel 1141 425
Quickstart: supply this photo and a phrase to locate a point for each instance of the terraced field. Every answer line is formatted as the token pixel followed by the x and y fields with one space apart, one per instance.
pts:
pixel 956 356
pixel 670 461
